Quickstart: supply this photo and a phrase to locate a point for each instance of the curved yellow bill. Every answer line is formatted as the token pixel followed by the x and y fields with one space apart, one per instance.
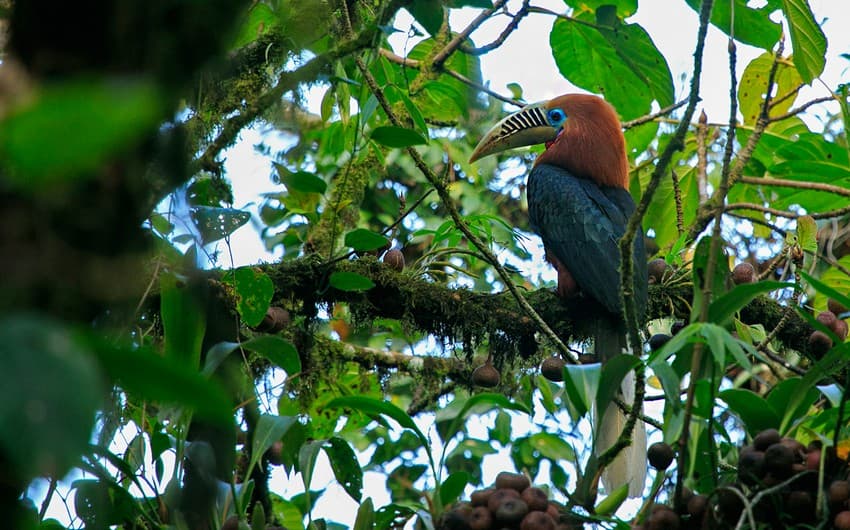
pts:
pixel 527 126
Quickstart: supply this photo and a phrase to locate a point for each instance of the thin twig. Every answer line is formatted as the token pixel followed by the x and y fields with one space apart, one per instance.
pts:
pixel 510 28
pixel 455 43
pixel 702 156
pixel 649 117
pixel 413 63
pixel 448 202
pixel 677 197
pixel 45 504
pixel 802 108
pixel 805 185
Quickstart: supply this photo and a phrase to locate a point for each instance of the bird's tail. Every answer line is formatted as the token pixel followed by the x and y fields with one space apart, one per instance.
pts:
pixel 630 464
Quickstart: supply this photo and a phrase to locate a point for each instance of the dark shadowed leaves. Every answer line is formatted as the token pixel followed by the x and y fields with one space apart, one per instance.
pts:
pixel 361 239
pixel 216 223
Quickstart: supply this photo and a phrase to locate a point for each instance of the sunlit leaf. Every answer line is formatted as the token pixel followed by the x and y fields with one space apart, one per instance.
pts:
pixel 753 86
pixel 751 25
pixel 807 39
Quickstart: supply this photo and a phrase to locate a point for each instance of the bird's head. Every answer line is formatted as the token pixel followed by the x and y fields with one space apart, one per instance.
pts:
pixel 582 134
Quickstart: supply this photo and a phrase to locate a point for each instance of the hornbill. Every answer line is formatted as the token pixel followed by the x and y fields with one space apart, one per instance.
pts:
pixel 579 204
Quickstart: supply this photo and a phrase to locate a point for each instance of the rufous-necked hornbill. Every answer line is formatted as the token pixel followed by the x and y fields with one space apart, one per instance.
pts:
pixel 579 204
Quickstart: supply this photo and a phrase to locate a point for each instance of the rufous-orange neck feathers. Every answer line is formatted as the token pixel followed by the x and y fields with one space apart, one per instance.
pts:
pixel 591 145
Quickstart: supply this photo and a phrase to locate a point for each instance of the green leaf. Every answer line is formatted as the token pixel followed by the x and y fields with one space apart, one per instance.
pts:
pixel 612 502
pixel 373 407
pixel 702 255
pixel 258 518
pixel 624 8
pixel 254 290
pixel 278 350
pixel 753 85
pixel 183 320
pixel 392 136
pixel 307 460
pixel 261 20
pixel 345 466
pixel 827 290
pixel 754 411
pixel 724 307
pixel 614 370
pixel 429 13
pixel 287 513
pixel 621 62
pixel 301 181
pixel 480 403
pixel 74 127
pixel 216 223
pixel 50 389
pixel 151 376
pixel 784 397
pixel 581 382
pixel 807 233
pixel 365 519
pixel 751 26
pixel 270 429
pixel 350 281
pixel 551 446
pixel 836 280
pixel 807 39
pixel 453 486
pixel 216 355
pixel 363 240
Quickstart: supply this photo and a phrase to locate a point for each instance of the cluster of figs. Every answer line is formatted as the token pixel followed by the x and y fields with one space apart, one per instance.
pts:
pixel 512 503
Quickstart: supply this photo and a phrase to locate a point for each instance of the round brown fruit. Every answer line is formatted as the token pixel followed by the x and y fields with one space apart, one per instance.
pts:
pixel 480 497
pixel 656 269
pixel 275 320
pixel 743 273
pixel 486 375
pixel 696 507
pixel 480 519
pixel 662 518
pixel 552 368
pixel 838 493
pixel 275 453
pixel 819 342
pixel 766 438
pixel 537 521
pixel 553 511
pixel 840 329
pixel 535 498
pixel 842 520
pixel 660 455
pixel 499 496
pixel 800 506
pixel 394 259
pixel 813 460
pixel 457 518
pixel 836 307
pixel 751 468
pixel 778 460
pixel 828 319
pixel 514 481
pixel 510 511
pixel 231 523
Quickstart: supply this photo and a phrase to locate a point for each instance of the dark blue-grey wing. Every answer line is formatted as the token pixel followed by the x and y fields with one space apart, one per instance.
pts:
pixel 581 226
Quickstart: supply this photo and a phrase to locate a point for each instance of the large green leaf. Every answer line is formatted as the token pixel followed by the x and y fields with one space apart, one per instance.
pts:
pixel 73 127
pixel 261 20
pixel 754 411
pixel 150 376
pixel 269 430
pixel 254 290
pixel 345 466
pixel 392 136
pixel 372 407
pixel 784 399
pixel 477 404
pixel 350 281
pixel 453 486
pixel 622 63
pixel 581 382
pixel 751 25
pixel 724 307
pixel 278 350
pixel 361 239
pixel 837 280
pixel 183 319
pixel 50 389
pixel 807 39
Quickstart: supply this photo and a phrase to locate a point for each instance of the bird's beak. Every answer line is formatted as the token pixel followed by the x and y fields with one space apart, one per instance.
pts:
pixel 527 126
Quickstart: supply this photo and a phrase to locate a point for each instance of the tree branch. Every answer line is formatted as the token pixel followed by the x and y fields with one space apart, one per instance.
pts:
pixel 455 43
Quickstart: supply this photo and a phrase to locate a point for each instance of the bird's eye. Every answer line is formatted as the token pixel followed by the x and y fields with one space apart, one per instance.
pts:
pixel 556 116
